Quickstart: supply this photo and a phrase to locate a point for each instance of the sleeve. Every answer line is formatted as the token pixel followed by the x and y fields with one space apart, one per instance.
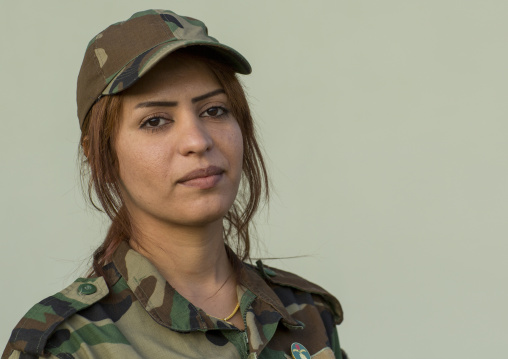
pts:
pixel 331 319
pixel 334 342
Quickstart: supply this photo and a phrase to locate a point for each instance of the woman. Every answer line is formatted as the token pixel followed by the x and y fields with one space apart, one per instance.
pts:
pixel 168 140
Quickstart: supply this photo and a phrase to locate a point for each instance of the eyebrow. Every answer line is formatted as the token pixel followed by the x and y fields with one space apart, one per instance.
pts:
pixel 206 95
pixel 157 104
pixel 175 103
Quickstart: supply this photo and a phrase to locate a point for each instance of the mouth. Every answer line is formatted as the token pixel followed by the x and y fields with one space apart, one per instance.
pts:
pixel 202 178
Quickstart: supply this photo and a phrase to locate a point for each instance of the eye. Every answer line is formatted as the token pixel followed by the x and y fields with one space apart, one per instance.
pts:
pixel 154 123
pixel 215 111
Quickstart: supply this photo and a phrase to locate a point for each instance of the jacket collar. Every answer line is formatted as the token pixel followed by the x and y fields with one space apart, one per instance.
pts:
pixel 167 307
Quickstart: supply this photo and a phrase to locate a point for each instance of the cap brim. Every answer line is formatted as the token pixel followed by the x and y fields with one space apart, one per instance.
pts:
pixel 142 63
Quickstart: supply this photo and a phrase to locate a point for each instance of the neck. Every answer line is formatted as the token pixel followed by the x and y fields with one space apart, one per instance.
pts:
pixel 192 259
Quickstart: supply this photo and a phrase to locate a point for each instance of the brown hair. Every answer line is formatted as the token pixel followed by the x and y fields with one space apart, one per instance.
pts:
pixel 99 168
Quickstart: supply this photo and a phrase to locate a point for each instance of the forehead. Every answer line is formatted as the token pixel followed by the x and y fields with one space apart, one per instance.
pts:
pixel 175 75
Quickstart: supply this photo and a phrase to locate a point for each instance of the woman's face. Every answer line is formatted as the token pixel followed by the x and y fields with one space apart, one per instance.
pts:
pixel 178 146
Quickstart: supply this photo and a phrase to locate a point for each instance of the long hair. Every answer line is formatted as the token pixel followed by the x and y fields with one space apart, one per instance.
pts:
pixel 100 170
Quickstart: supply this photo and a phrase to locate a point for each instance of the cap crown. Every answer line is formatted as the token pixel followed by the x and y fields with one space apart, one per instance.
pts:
pixel 118 56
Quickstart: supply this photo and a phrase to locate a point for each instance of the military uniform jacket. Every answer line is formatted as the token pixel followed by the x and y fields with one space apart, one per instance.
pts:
pixel 132 312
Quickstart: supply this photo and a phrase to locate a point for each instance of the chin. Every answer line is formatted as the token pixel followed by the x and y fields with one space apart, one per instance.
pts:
pixel 207 209
pixel 202 214
pixel 196 221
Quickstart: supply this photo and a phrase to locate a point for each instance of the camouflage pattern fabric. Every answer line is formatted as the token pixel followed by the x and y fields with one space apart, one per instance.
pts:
pixel 118 56
pixel 134 313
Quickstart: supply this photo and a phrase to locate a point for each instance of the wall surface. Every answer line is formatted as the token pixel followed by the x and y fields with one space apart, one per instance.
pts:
pixel 385 128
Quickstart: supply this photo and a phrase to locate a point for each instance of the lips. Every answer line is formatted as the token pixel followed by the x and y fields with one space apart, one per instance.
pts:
pixel 203 177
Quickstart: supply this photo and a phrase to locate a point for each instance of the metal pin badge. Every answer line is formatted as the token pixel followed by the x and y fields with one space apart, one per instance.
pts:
pixel 298 351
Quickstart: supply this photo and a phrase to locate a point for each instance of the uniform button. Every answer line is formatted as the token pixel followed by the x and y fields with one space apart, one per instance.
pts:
pixel 298 351
pixel 87 289
pixel 269 272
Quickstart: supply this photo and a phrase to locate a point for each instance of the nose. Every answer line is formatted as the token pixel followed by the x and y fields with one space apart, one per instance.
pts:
pixel 194 137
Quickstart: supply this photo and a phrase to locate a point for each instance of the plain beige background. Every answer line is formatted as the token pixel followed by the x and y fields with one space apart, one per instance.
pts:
pixel 384 124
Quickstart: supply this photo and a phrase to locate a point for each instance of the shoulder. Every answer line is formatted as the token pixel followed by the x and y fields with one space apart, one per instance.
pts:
pixel 33 331
pixel 279 278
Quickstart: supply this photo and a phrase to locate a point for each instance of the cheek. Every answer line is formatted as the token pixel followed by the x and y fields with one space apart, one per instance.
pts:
pixel 138 161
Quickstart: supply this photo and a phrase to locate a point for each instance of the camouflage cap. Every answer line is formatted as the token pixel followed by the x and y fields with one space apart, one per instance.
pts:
pixel 118 56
